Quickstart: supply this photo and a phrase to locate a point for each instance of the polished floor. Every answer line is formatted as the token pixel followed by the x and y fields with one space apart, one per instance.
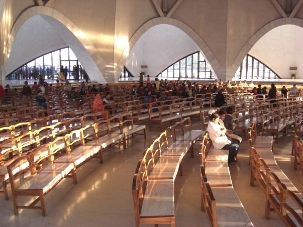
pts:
pixel 103 196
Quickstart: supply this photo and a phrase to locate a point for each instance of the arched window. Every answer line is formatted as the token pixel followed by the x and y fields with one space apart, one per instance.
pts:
pixel 191 66
pixel 48 65
pixel 253 69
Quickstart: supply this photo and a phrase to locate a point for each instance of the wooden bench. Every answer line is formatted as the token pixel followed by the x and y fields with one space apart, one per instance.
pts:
pixel 153 182
pixel 185 133
pixel 77 151
pixel 164 114
pixel 36 179
pixel 286 203
pixel 297 145
pixel 218 197
pixel 153 200
pixel 223 206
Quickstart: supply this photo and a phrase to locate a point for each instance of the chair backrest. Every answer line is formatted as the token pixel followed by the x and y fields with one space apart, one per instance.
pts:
pixel 101 127
pixel 294 212
pixel 74 138
pixel 38 157
pixel 43 135
pixel 170 135
pixel 205 147
pixel 60 128
pixel 209 202
pixel 75 123
pixel 59 144
pixel 16 169
pixel 138 188
pixel 21 128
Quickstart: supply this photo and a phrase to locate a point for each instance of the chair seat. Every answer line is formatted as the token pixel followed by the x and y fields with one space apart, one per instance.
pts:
pixel 58 168
pixel 166 168
pixel 267 156
pixel 230 211
pixel 132 129
pixel 158 199
pixel 192 135
pixel 106 140
pixel 176 150
pixel 217 155
pixel 217 173
pixel 46 179
pixel 79 155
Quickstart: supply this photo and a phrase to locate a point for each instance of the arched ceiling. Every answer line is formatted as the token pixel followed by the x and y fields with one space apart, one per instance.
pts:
pixel 281 48
pixel 41 34
pixel 159 47
pixel 36 37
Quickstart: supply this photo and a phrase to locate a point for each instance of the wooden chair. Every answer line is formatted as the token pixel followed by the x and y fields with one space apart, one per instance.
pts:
pixel 77 151
pixel 216 201
pixel 150 206
pixel 36 179
pixel 297 151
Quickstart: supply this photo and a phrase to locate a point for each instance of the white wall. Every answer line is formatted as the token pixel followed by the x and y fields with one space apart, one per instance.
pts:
pixel 281 48
pixel 36 37
pixel 159 47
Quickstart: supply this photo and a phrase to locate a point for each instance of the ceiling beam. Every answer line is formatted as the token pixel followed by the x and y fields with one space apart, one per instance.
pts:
pixel 173 9
pixel 279 8
pixel 296 9
pixel 158 8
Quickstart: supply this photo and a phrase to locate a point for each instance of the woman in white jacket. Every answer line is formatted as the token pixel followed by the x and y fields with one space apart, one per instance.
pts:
pixel 219 139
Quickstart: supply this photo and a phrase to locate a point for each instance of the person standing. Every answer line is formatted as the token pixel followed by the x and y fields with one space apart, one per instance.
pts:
pixel 220 99
pixel 293 90
pixel 148 79
pixel 272 93
pixel 284 92
pixel 26 90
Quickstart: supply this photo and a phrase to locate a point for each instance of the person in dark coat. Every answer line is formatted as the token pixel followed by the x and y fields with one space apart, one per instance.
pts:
pixel 220 99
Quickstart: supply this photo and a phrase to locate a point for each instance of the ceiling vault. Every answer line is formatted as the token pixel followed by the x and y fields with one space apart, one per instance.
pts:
pixel 289 10
pixel 164 12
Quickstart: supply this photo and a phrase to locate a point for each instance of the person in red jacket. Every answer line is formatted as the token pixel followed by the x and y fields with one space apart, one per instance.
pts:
pixel 2 92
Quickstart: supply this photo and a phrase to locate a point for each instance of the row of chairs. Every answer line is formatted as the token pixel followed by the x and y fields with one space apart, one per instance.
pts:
pixel 153 181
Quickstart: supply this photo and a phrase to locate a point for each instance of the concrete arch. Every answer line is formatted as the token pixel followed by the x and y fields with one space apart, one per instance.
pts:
pixel 259 34
pixel 85 51
pixel 209 56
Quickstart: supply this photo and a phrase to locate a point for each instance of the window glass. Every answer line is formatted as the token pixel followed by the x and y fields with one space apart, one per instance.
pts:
pixel 170 71
pixel 64 54
pixel 254 69
pixel 189 67
pixel 202 75
pixel 72 56
pixel 48 59
pixel 164 73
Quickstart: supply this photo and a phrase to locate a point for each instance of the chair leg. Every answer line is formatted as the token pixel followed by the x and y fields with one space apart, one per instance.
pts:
pixel 42 204
pixel 15 202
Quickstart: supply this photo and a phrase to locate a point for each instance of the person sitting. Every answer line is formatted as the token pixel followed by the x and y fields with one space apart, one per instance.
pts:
pixel 94 89
pixel 75 93
pixel 134 90
pixel 98 103
pixel 2 91
pixel 107 100
pixel 35 87
pixel 41 101
pixel 220 99
pixel 219 139
pixel 229 123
